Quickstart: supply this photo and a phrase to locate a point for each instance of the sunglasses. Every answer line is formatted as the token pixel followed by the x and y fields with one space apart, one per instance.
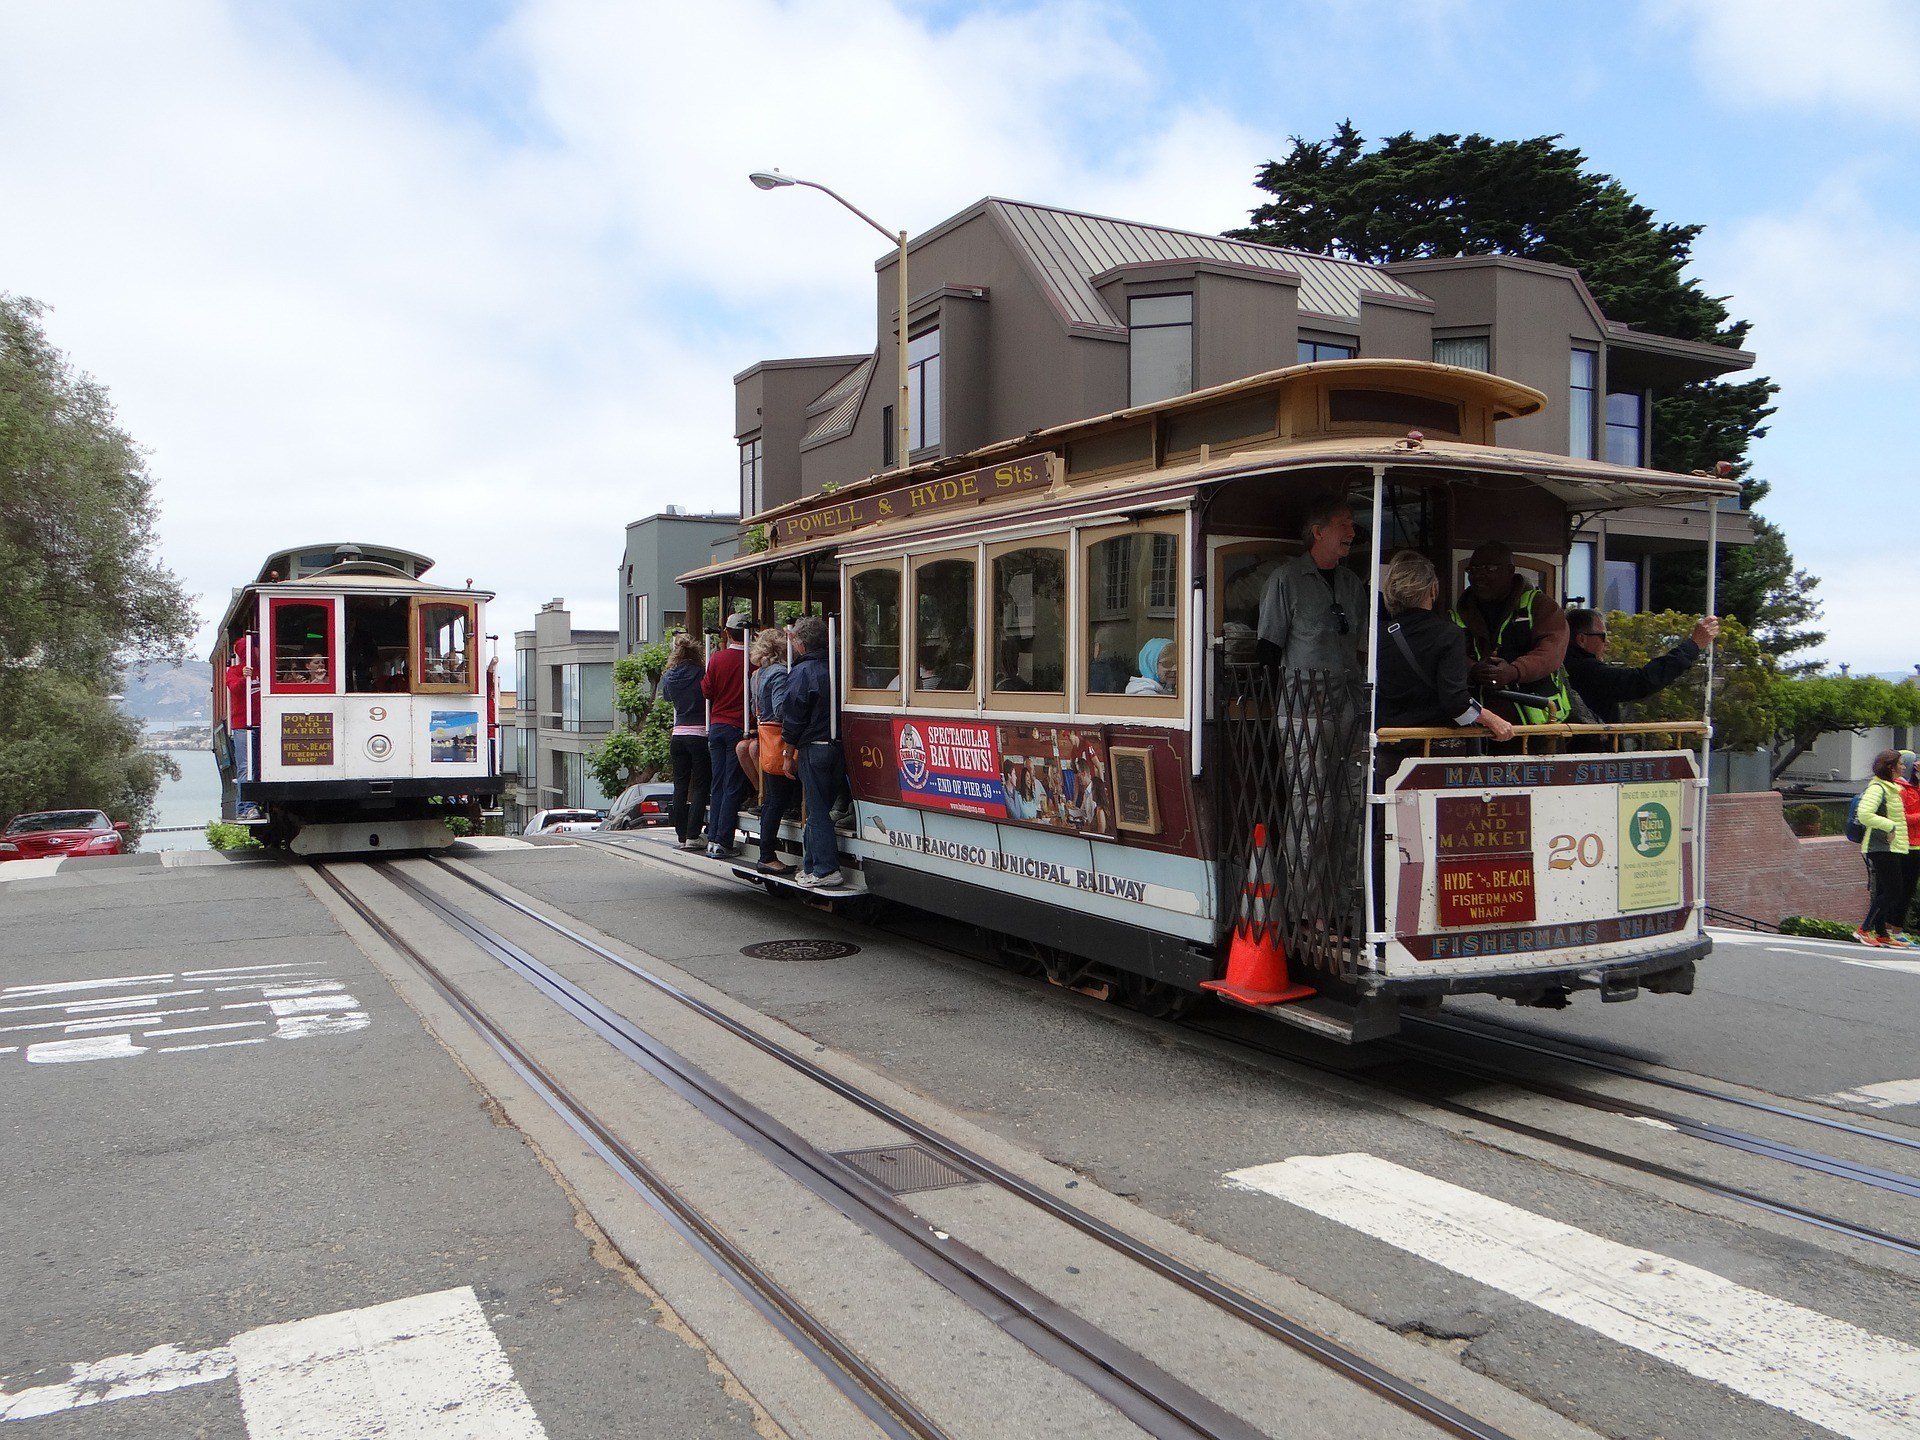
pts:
pixel 1595 635
pixel 1340 614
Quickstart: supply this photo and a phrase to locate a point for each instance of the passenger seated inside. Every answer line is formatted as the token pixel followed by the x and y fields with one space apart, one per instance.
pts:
pixel 1159 672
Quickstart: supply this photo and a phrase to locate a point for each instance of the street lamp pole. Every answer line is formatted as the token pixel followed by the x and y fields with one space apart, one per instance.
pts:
pixel 773 180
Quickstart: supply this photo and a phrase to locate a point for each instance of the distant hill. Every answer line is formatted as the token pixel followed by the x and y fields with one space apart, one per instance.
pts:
pixel 169 692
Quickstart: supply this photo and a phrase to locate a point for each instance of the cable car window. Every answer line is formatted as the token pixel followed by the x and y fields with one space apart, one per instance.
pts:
pixel 943 596
pixel 1030 620
pixel 376 644
pixel 444 649
pixel 1240 574
pixel 1133 638
pixel 302 646
pixel 876 629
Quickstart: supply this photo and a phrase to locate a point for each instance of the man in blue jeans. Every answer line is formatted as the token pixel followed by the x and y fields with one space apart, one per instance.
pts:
pixel 806 723
pixel 725 686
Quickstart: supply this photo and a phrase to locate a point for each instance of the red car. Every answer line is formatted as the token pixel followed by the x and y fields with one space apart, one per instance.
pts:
pixel 62 832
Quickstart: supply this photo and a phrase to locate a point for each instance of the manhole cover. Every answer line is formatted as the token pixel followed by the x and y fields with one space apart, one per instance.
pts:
pixel 800 950
pixel 903 1169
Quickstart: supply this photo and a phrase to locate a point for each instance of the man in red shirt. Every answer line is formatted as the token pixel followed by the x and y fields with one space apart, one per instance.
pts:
pixel 725 686
pixel 239 679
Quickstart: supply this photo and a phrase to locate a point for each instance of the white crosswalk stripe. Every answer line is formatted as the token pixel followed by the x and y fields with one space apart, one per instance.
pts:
pixel 1823 1370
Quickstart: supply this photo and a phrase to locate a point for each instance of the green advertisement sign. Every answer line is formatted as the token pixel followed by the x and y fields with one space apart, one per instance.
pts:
pixel 1649 847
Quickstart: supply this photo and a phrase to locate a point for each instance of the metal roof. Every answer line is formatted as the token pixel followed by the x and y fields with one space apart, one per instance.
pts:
pixel 1068 249
pixel 842 402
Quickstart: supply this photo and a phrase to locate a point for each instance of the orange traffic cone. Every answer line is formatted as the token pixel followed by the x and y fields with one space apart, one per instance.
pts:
pixel 1257 961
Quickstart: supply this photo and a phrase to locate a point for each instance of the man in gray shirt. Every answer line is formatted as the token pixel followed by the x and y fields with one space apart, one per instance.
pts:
pixel 1313 612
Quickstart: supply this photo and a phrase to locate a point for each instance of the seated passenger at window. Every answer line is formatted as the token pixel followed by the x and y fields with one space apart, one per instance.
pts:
pixel 1159 669
pixel 1423 656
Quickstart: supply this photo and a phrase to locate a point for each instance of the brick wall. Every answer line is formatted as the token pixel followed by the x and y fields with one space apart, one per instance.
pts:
pixel 1757 866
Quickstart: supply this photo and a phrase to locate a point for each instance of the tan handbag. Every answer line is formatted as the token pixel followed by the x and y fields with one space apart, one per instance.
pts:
pixel 776 756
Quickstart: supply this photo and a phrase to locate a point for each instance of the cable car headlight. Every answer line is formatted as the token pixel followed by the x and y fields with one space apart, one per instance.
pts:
pixel 379 747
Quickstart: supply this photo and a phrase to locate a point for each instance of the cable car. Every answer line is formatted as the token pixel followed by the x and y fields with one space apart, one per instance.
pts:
pixel 357 711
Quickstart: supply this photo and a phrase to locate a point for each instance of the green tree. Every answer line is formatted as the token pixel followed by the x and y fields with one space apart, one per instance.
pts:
pixel 84 593
pixel 631 754
pixel 1744 678
pixel 1809 706
pixel 1444 195
pixel 636 682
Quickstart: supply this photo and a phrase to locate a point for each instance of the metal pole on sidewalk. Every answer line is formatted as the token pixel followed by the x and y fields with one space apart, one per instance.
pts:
pixel 1373 688
pixel 1706 747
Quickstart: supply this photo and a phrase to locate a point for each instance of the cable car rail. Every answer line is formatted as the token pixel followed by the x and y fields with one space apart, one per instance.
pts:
pixel 1225 1297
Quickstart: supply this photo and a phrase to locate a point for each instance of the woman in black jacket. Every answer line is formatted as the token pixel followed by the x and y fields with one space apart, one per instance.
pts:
pixel 687 746
pixel 1423 656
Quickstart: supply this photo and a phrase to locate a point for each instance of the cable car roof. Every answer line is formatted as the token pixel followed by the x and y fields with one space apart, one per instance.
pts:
pixel 298 561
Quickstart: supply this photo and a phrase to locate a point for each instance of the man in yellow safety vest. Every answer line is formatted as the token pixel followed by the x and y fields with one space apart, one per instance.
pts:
pixel 1516 639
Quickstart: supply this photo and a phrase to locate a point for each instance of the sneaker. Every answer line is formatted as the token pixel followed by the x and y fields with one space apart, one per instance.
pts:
pixel 1865 939
pixel 1899 942
pixel 723 852
pixel 820 882
pixel 694 844
pixel 842 819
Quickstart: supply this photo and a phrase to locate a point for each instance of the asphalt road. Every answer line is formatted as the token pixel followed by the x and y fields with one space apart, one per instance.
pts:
pixel 1151 1113
pixel 227 1122
pixel 326 1157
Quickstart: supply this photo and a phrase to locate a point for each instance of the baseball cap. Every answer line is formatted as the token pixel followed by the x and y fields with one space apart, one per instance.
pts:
pixel 740 622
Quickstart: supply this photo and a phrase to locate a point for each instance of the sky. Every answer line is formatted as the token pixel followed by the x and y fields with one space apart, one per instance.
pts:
pixel 472 277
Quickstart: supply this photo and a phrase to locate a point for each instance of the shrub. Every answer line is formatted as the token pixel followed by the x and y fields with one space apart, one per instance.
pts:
pixel 1803 819
pixel 457 825
pixel 224 836
pixel 1816 928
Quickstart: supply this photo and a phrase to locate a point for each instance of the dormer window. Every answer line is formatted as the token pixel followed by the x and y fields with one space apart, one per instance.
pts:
pixel 1160 347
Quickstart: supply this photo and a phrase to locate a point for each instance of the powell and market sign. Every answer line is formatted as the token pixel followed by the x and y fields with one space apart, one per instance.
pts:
pixel 991 482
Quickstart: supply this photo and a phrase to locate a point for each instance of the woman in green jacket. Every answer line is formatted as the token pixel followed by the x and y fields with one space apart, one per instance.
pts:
pixel 1883 815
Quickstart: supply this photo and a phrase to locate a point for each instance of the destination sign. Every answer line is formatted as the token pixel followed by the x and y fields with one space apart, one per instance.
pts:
pixel 1484 859
pixel 306 738
pixel 1025 475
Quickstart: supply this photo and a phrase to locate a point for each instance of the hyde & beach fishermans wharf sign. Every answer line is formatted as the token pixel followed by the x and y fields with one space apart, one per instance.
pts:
pixel 1023 476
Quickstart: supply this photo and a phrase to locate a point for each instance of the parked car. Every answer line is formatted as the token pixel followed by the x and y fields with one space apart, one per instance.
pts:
pixel 645 803
pixel 563 822
pixel 62 832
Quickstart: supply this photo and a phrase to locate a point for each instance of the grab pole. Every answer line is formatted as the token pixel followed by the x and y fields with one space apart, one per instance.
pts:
pixel 1706 743
pixel 1374 937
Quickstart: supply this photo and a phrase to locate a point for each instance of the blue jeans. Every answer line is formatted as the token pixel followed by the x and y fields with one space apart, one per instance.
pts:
pixel 723 819
pixel 819 779
pixel 775 800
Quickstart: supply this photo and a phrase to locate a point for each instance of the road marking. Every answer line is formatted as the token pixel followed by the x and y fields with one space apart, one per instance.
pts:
pixel 1884 1095
pixel 244 969
pixel 95 1027
pixel 1823 1370
pixel 214 1044
pixel 1909 967
pixel 425 1368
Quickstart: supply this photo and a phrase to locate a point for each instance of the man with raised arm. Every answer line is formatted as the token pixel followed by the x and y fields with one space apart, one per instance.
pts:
pixel 1606 687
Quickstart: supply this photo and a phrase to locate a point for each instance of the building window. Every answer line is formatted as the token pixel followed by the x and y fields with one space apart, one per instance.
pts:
pixel 523 695
pixel 1030 620
pixel 1163 578
pixel 586 697
pixel 1623 587
pixel 1469 352
pixel 1312 350
pixel 923 389
pixel 876 629
pixel 1577 578
pixel 638 620
pixel 1581 382
pixel 1159 347
pixel 1626 427
pixel 943 625
pixel 887 432
pixel 750 496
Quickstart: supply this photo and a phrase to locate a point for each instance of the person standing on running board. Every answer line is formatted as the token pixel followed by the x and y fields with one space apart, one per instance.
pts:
pixel 724 685
pixel 806 724
pixel 687 746
pixel 1516 638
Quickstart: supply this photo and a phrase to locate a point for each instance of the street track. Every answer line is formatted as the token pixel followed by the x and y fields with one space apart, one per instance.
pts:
pixel 1161 1404
pixel 1885 1181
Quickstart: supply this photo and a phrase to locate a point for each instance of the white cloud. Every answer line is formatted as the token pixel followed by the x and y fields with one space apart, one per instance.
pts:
pixel 1862 55
pixel 333 308
pixel 1831 287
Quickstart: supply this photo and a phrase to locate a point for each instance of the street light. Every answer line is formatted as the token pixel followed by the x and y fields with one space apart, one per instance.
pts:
pixel 774 180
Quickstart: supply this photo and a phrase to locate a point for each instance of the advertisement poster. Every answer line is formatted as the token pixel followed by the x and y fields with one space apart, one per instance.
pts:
pixel 1056 777
pixel 950 765
pixel 306 738
pixel 1649 849
pixel 453 737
